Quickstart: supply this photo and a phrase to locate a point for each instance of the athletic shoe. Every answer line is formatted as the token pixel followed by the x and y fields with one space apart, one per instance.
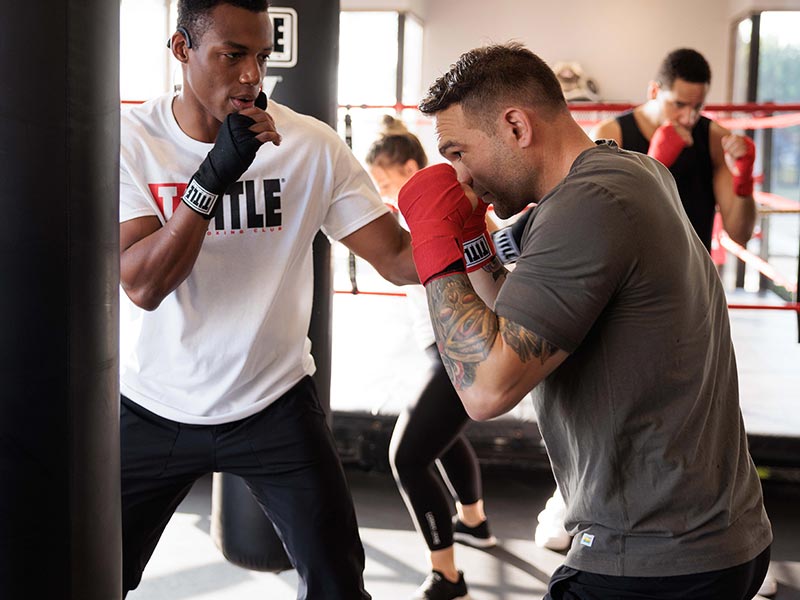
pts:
pixel 437 587
pixel 550 532
pixel 477 537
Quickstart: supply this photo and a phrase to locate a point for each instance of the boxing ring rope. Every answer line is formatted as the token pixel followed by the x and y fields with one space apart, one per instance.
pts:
pixel 759 116
pixel 762 117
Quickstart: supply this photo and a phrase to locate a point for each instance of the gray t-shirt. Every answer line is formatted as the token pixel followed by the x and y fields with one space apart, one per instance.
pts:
pixel 642 420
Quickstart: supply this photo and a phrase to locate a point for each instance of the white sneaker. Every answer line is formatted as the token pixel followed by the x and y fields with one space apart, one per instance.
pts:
pixel 550 532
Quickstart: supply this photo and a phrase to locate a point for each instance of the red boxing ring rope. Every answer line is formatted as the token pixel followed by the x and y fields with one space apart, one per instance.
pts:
pixel 763 117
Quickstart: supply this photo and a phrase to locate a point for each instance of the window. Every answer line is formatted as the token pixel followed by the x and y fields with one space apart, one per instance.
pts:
pixel 767 69
pixel 144 57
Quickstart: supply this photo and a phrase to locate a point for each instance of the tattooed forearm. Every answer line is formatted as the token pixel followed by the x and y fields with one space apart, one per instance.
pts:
pixel 526 344
pixel 466 330
pixel 465 327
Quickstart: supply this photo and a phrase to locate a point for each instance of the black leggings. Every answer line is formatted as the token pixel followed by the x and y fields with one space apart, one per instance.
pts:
pixel 432 429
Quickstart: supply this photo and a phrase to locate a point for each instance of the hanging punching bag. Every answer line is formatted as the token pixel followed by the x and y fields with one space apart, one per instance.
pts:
pixel 303 69
pixel 59 275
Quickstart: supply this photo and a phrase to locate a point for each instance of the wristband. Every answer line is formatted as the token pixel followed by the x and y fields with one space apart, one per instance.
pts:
pixel 478 246
pixel 478 252
pixel 199 199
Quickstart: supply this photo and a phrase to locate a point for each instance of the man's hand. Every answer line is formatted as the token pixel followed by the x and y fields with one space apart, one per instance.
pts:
pixel 668 142
pixel 436 209
pixel 239 138
pixel 740 155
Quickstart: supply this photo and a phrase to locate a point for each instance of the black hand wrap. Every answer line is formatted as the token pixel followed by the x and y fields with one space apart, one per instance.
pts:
pixel 507 241
pixel 233 152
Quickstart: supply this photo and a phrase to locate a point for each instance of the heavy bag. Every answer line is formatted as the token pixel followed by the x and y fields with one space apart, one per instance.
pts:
pixel 241 530
pixel 60 531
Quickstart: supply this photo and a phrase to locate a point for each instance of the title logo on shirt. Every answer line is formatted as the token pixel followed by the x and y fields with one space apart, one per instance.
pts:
pixel 244 208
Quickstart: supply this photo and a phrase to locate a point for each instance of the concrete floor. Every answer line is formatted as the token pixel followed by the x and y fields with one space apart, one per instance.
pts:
pixel 187 565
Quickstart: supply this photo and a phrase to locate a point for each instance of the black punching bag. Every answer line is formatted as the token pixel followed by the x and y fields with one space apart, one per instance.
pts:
pixel 305 60
pixel 59 277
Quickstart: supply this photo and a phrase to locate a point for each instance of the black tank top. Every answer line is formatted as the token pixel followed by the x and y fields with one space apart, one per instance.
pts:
pixel 692 171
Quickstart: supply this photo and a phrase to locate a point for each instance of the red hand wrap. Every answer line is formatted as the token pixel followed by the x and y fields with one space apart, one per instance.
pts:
pixel 743 182
pixel 435 208
pixel 666 144
pixel 478 246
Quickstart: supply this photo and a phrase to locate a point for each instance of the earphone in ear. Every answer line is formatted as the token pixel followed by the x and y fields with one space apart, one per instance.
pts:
pixel 185 34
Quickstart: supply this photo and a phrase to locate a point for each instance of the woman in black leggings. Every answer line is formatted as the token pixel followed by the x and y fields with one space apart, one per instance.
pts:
pixel 430 431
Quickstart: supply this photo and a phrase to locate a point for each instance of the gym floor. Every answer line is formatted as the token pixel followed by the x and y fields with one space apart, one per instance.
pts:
pixel 187 565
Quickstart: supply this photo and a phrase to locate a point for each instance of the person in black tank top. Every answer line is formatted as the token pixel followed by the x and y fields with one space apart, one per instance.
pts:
pixel 693 172
pixel 712 166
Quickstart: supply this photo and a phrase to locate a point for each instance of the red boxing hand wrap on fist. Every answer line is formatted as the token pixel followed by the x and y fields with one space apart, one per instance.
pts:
pixel 666 145
pixel 435 208
pixel 743 181
pixel 478 246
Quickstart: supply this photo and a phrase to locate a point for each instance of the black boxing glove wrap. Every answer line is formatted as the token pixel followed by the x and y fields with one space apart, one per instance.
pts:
pixel 507 241
pixel 233 152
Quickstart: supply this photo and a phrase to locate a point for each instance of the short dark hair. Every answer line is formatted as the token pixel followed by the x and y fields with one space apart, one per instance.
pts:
pixel 193 15
pixel 484 77
pixel 396 146
pixel 686 64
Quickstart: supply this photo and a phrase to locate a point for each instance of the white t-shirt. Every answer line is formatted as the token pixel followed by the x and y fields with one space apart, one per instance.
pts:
pixel 232 338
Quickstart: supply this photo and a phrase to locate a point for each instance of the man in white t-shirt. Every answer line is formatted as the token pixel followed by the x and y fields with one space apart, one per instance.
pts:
pixel 216 264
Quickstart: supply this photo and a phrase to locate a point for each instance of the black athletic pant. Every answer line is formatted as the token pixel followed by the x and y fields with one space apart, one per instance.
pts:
pixel 287 456
pixel 736 583
pixel 432 429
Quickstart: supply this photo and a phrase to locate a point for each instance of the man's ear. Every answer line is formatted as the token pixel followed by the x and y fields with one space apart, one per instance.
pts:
pixel 652 90
pixel 179 46
pixel 518 123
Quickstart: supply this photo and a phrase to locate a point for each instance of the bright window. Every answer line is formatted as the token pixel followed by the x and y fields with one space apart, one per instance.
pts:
pixel 144 57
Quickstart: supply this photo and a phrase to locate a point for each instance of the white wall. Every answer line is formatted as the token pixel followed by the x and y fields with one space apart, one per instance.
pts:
pixel 619 43
pixel 741 8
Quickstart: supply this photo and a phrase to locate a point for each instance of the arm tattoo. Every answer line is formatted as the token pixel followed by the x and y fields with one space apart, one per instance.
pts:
pixel 525 343
pixel 496 269
pixel 465 327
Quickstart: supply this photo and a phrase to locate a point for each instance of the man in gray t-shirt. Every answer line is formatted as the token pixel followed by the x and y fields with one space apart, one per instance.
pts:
pixel 614 311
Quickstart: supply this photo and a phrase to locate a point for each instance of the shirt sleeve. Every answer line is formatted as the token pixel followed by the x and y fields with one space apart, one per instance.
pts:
pixel 133 202
pixel 577 251
pixel 355 202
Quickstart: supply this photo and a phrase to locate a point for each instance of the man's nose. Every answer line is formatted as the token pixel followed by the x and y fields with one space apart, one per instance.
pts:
pixel 463 174
pixel 688 116
pixel 251 72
